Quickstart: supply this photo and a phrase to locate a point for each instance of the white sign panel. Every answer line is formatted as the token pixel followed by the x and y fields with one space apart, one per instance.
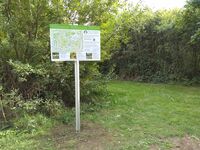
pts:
pixel 72 42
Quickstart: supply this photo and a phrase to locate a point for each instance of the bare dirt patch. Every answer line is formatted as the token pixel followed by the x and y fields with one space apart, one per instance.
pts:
pixel 185 143
pixel 95 137
pixel 154 147
pixel 91 137
pixel 177 143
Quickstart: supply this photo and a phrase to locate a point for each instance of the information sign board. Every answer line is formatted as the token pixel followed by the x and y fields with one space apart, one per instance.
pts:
pixel 74 42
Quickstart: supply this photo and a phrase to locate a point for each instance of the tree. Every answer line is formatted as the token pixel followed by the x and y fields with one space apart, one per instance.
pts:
pixel 25 52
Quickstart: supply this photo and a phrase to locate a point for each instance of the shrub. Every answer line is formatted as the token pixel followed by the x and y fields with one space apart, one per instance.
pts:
pixel 12 105
pixel 10 102
pixel 54 81
pixel 30 124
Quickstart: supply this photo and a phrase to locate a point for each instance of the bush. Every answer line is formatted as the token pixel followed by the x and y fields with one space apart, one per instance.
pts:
pixel 30 124
pixel 10 102
pixel 51 107
pixel 66 116
pixel 53 81
pixel 12 105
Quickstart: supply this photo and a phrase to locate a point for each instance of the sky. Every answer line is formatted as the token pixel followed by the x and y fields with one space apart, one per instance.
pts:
pixel 160 4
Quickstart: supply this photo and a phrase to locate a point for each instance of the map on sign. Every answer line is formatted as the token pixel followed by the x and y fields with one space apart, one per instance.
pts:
pixel 72 42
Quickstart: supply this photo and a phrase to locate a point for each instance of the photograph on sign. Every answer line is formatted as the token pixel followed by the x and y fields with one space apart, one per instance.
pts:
pixel 74 42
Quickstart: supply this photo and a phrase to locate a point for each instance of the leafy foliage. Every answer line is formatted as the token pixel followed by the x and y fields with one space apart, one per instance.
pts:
pixel 157 46
pixel 30 82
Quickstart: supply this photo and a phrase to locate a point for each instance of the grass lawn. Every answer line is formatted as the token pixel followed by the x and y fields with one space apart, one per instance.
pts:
pixel 136 116
pixel 145 116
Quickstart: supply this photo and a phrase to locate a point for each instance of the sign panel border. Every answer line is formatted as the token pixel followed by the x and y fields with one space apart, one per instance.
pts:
pixel 74 27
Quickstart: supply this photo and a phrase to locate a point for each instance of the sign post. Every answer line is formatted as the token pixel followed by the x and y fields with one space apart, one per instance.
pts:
pixel 77 94
pixel 75 43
